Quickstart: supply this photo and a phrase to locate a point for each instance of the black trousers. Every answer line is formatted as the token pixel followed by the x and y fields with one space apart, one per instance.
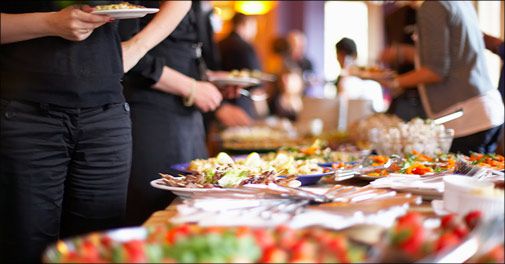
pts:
pixel 482 142
pixel 63 172
pixel 165 132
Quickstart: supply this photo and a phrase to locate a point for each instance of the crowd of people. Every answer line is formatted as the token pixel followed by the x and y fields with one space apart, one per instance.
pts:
pixel 92 109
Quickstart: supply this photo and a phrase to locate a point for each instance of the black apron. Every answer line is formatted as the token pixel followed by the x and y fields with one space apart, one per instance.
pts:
pixel 165 132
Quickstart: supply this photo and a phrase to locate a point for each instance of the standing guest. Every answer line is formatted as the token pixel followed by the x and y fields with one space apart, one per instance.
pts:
pixel 297 42
pixel 452 68
pixel 237 53
pixel 497 46
pixel 399 55
pixel 65 133
pixel 167 101
pixel 352 87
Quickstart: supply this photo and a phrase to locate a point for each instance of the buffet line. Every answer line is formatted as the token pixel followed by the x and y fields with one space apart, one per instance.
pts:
pixel 275 196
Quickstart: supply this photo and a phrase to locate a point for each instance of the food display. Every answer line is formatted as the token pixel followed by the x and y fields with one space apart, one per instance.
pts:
pixel 245 73
pixel 194 244
pixel 373 72
pixel 359 131
pixel 319 151
pixel 122 5
pixel 423 136
pixel 224 171
pixel 410 240
pixel 258 138
pixel 491 161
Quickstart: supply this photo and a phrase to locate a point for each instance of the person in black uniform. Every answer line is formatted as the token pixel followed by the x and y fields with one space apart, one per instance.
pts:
pixel 166 112
pixel 237 53
pixel 65 132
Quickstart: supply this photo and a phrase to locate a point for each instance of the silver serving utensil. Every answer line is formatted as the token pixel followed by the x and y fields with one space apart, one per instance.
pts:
pixel 254 97
pixel 448 117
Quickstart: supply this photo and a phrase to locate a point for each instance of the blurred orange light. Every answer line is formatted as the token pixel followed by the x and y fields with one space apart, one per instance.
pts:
pixel 253 7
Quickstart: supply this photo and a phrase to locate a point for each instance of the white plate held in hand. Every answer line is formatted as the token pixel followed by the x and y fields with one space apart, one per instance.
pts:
pixel 126 13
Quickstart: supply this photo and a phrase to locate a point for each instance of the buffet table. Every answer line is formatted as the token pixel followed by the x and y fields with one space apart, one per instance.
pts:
pixel 163 216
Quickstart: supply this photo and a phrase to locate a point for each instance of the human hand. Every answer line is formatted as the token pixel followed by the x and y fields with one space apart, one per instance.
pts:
pixel 132 53
pixel 232 115
pixel 206 96
pixel 228 91
pixel 75 23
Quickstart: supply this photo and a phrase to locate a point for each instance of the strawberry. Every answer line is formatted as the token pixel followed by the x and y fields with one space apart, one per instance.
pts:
pixel 473 218
pixel 274 255
pixel 135 251
pixel 447 240
pixel 409 238
pixel 448 221
pixel 263 238
pixel 89 251
pixel 303 250
pixel 410 219
pixel 461 231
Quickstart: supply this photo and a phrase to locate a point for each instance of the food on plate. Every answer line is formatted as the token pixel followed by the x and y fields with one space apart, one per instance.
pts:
pixel 194 244
pixel 122 5
pixel 229 179
pixel 279 164
pixel 224 171
pixel 245 73
pixel 414 163
pixel 258 137
pixel 319 151
pixel 491 161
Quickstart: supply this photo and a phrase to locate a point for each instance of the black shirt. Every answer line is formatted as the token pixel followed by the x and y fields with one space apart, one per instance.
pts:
pixel 177 51
pixel 57 71
pixel 237 54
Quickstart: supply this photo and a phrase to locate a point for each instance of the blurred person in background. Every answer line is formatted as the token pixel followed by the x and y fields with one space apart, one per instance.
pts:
pixel 286 95
pixel 65 141
pixel 398 55
pixel 497 46
pixel 167 100
pixel 452 75
pixel 238 53
pixel 351 87
pixel 297 58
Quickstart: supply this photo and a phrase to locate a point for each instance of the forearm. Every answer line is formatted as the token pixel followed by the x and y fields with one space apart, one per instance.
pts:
pixel 163 23
pixel 422 75
pixel 20 27
pixel 409 53
pixel 174 82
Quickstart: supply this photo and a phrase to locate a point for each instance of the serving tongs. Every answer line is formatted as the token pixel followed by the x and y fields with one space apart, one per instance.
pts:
pixel 365 167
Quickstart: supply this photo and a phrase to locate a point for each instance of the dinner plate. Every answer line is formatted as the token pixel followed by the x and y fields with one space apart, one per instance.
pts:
pixel 311 179
pixel 240 81
pixel 126 13
pixel 184 192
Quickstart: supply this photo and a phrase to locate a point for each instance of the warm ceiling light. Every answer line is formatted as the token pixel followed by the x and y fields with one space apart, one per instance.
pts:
pixel 253 7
